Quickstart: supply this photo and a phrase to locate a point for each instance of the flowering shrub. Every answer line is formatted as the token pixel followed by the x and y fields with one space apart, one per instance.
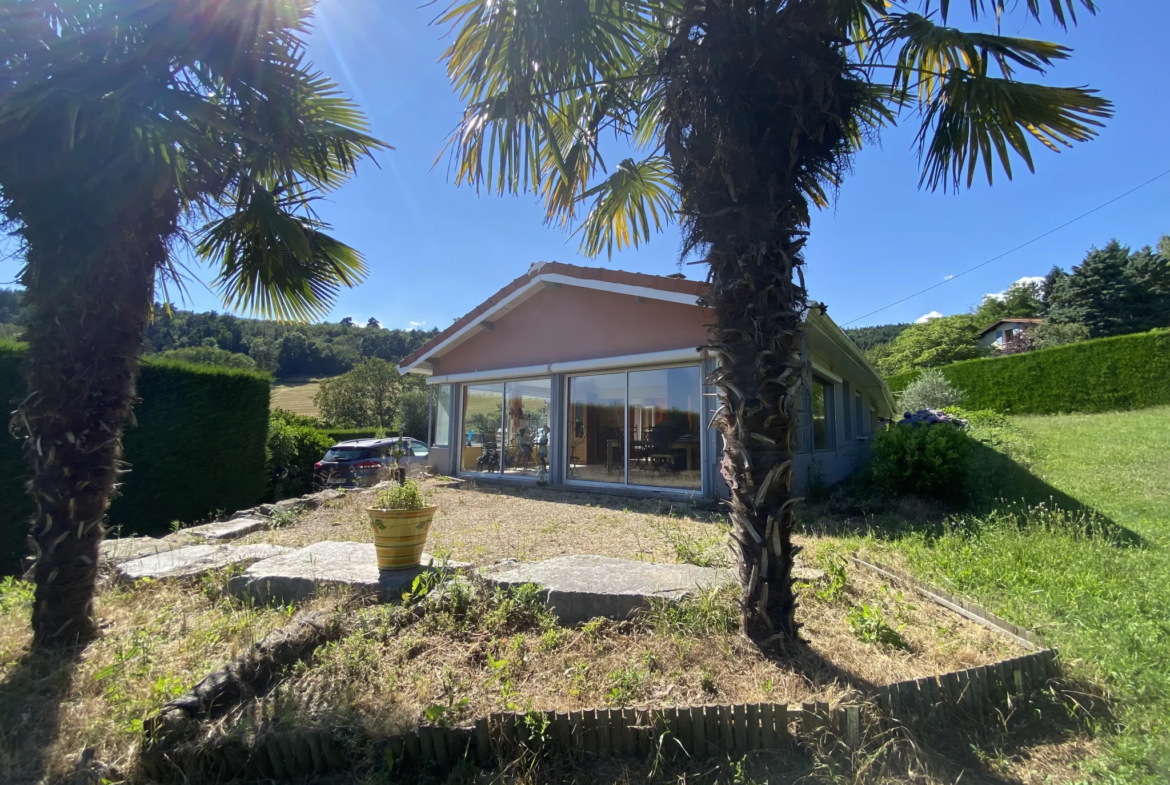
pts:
pixel 925 455
pixel 929 390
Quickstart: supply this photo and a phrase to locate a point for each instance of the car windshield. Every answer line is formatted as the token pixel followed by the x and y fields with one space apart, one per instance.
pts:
pixel 346 454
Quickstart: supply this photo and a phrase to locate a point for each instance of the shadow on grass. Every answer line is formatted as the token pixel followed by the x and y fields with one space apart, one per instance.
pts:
pixel 30 706
pixel 997 487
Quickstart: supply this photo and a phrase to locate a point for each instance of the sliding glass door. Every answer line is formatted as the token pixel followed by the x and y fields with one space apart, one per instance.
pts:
pixel 506 428
pixel 639 428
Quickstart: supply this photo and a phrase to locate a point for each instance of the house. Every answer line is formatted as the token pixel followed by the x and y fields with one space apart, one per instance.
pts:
pixel 590 378
pixel 1005 330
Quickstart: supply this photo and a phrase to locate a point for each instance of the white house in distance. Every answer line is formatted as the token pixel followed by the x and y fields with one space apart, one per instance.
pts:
pixel 1005 330
pixel 591 379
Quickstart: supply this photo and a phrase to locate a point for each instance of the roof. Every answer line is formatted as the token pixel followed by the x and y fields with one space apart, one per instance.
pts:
pixel 1021 320
pixel 663 287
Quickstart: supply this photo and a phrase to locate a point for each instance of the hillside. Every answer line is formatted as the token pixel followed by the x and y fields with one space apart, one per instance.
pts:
pixel 285 350
pixel 868 338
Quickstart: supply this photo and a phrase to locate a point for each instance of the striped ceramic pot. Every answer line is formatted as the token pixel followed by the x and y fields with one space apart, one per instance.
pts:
pixel 399 536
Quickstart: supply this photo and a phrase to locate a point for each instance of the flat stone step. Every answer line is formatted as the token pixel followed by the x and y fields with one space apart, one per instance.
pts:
pixel 192 560
pixel 219 531
pixel 123 549
pixel 351 566
pixel 581 588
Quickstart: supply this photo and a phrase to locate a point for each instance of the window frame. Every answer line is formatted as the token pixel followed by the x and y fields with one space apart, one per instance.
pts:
pixel 499 473
pixel 625 483
pixel 829 398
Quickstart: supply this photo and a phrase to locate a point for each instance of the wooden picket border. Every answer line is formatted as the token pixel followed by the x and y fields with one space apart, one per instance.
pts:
pixel 1026 639
pixel 673 732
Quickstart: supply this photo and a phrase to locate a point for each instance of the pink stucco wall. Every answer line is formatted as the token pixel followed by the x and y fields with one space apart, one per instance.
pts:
pixel 573 323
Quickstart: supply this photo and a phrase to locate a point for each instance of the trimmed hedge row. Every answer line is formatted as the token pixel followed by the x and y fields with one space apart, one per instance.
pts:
pixel 349 434
pixel 199 448
pixel 1104 374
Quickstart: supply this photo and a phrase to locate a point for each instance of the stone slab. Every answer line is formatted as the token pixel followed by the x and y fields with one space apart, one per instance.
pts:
pixel 218 531
pixel 581 588
pixel 350 566
pixel 123 549
pixel 194 560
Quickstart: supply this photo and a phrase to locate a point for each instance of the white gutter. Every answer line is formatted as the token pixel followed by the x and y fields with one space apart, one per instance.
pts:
pixel 598 364
pixel 500 373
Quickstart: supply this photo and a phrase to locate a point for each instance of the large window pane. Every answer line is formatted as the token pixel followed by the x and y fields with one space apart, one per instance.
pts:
pixel 822 415
pixel 595 439
pixel 483 405
pixel 665 424
pixel 526 425
pixel 441 416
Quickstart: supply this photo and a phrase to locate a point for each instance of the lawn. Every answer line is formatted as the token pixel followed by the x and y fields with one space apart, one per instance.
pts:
pixel 1102 599
pixel 296 395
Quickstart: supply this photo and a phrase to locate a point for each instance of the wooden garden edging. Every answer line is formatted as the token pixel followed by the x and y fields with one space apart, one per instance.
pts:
pixel 674 732
pixel 969 610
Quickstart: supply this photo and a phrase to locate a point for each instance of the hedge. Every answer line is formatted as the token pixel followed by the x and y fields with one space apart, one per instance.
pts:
pixel 1104 374
pixel 349 434
pixel 198 449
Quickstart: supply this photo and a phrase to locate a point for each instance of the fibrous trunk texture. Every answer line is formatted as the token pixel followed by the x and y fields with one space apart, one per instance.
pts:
pixel 757 108
pixel 89 281
pixel 253 671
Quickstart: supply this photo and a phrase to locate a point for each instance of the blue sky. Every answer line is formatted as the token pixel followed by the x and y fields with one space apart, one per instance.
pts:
pixel 436 250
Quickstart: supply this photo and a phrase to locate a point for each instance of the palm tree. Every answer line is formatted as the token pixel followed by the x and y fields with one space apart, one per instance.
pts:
pixel 744 114
pixel 122 124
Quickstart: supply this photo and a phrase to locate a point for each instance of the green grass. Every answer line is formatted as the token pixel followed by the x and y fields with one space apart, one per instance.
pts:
pixel 1104 602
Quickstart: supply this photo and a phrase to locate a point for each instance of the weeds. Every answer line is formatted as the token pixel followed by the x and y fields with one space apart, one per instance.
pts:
pixel 833 562
pixel 708 551
pixel 15 595
pixel 625 685
pixel 869 625
pixel 706 612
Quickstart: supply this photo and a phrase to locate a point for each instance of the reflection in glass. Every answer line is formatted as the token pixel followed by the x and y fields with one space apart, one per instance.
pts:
pixel 595 438
pixel 483 405
pixel 441 417
pixel 526 423
pixel 665 424
pixel 820 415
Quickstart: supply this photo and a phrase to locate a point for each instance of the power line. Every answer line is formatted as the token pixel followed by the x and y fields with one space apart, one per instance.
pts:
pixel 1013 250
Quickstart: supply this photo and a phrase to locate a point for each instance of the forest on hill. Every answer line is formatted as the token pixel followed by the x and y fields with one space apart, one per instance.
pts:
pixel 285 350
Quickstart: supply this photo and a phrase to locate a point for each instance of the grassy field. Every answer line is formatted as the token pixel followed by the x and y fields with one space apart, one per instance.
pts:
pixel 1094 584
pixel 296 395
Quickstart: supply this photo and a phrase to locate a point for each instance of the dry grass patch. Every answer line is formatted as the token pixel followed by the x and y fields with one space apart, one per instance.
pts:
pixel 296 395
pixel 479 650
pixel 158 639
pixel 485 524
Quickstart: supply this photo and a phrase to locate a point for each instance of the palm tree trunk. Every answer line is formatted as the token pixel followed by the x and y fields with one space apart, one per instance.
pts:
pixel 758 109
pixel 89 289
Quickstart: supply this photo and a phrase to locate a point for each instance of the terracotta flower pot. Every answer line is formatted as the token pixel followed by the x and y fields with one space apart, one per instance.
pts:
pixel 399 536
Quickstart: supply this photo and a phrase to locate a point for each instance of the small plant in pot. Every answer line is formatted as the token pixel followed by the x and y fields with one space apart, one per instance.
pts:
pixel 401 521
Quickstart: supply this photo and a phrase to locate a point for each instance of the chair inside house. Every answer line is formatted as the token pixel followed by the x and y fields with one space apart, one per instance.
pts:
pixel 662 453
pixel 489 460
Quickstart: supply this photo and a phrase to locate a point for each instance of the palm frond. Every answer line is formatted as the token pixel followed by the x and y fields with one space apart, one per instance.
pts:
pixel 927 52
pixel 985 118
pixel 279 263
pixel 625 204
pixel 1063 11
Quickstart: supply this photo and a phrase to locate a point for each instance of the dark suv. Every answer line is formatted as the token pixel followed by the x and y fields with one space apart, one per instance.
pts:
pixel 365 462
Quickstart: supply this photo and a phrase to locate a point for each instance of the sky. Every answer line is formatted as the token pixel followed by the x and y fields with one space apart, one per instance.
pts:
pixel 436 250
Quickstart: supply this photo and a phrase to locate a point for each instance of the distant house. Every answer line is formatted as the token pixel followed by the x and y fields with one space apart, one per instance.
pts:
pixel 590 379
pixel 1005 330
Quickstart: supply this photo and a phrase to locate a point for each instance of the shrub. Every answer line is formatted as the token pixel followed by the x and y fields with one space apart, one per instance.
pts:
pixel 209 355
pixel 931 390
pixel 868 624
pixel 292 451
pixel 1104 374
pixel 407 496
pixel 1049 334
pixel 197 449
pixel 930 460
